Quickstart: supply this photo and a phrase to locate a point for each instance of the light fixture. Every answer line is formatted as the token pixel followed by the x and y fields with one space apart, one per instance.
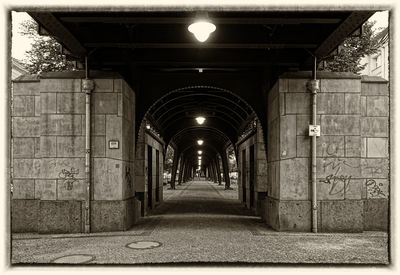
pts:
pixel 202 29
pixel 200 142
pixel 200 119
pixel 147 126
pixel 199 157
pixel 199 152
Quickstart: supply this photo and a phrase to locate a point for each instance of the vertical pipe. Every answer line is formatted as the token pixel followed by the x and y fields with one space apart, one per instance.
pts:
pixel 314 89
pixel 87 86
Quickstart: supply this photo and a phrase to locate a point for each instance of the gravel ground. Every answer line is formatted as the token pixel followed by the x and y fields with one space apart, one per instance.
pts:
pixel 200 222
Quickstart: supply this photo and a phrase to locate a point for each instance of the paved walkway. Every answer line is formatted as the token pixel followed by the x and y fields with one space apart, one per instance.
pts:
pixel 200 222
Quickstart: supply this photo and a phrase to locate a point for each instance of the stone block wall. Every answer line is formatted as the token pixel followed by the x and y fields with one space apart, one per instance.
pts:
pixel 145 139
pixel 346 129
pixel 25 156
pixel 113 169
pixel 375 152
pixel 49 118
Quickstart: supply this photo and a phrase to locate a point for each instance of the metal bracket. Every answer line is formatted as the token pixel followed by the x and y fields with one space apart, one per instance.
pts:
pixel 87 85
pixel 313 86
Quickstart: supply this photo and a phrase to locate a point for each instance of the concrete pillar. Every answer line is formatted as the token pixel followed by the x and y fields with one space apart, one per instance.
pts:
pixel 353 116
pixel 186 172
pixel 214 172
pixel 210 173
pixel 49 154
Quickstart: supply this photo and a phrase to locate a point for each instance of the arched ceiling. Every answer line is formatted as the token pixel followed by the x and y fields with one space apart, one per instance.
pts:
pixel 174 117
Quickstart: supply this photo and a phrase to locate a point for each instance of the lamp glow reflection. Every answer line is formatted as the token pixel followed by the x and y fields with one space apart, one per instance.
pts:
pixel 199 152
pixel 200 120
pixel 202 30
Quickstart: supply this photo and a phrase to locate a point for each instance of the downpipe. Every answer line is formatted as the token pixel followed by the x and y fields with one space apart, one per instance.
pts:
pixel 314 131
pixel 87 87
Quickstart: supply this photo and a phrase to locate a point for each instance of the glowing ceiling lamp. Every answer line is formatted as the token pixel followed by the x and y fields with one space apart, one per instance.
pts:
pixel 202 29
pixel 199 152
pixel 147 126
pixel 200 119
pixel 200 142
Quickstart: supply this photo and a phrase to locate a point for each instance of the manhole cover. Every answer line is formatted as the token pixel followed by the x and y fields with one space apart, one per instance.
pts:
pixel 143 245
pixel 74 259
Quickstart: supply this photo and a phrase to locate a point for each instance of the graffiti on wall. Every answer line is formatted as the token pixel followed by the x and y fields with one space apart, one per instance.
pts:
pixel 338 181
pixel 68 177
pixel 332 149
pixel 374 189
pixel 377 168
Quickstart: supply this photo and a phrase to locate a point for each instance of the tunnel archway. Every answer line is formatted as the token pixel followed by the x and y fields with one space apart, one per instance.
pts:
pixel 229 120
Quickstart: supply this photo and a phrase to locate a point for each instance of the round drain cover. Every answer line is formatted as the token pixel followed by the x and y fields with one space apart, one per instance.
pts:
pixel 74 259
pixel 144 245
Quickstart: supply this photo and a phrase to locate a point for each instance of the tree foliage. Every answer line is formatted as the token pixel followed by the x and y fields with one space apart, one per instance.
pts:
pixel 352 50
pixel 169 159
pixel 45 54
pixel 232 159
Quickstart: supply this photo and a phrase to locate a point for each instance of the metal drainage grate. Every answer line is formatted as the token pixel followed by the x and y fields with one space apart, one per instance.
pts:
pixel 143 245
pixel 74 259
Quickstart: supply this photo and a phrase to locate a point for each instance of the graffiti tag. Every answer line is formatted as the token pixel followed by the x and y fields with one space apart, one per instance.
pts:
pixel 335 180
pixel 68 177
pixel 374 189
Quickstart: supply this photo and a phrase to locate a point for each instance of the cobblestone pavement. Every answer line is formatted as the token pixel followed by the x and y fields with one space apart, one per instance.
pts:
pixel 200 222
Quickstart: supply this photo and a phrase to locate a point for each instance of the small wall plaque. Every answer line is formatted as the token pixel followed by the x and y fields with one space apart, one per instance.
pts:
pixel 113 144
pixel 314 130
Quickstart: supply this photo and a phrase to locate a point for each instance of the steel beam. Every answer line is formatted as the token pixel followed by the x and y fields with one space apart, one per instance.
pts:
pixel 59 32
pixel 188 20
pixel 256 46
